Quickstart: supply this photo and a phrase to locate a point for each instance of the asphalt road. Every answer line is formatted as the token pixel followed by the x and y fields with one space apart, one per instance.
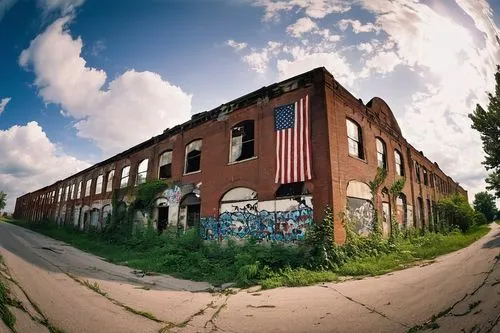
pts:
pixel 462 289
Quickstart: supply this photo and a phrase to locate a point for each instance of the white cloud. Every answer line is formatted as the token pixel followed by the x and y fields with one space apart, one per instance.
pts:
pixel 5 5
pixel 133 107
pixel 235 45
pixel 382 62
pixel 65 7
pixel 311 8
pixel 30 161
pixel 357 26
pixel 3 103
pixel 259 60
pixel 303 62
pixel 303 25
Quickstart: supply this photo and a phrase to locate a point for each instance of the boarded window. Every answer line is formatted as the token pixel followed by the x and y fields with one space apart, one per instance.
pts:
pixel 109 181
pixel 354 139
pixel 381 153
pixel 400 170
pixel 125 175
pixel 98 185
pixel 142 172
pixel 242 141
pixel 87 187
pixel 193 157
pixel 165 165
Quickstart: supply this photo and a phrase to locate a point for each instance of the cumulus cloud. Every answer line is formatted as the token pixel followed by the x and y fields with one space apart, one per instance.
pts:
pixel 235 45
pixel 357 26
pixel 30 161
pixel 382 62
pixel 3 103
pixel 133 107
pixel 303 25
pixel 311 8
pixel 65 7
pixel 258 60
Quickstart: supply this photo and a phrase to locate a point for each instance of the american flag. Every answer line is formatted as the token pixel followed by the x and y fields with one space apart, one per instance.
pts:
pixel 293 142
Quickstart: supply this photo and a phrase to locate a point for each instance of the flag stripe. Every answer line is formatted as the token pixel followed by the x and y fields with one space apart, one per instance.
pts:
pixel 293 146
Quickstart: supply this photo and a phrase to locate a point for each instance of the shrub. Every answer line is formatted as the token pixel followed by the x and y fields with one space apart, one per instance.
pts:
pixel 454 210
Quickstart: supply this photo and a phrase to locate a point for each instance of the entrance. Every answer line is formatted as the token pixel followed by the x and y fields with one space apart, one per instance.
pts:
pixel 162 218
pixel 189 211
pixel 193 215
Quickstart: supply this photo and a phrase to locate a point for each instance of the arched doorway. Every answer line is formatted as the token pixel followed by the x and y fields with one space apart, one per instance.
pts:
pixel 189 211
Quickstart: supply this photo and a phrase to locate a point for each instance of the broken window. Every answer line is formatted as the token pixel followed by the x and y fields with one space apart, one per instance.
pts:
pixel 417 171
pixel 125 174
pixel 59 195
pixel 142 172
pixel 381 153
pixel 242 141
pixel 109 181
pixel 193 157
pixel 426 179
pixel 66 196
pixel 98 185
pixel 79 191
pixel 399 163
pixel 72 192
pixel 354 138
pixel 87 187
pixel 165 165
pixel 291 190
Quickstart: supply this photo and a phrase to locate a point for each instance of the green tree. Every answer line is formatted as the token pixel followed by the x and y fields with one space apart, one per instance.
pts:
pixel 3 200
pixel 454 210
pixel 485 203
pixel 487 123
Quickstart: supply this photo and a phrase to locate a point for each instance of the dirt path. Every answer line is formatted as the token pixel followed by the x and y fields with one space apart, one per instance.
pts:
pixel 78 292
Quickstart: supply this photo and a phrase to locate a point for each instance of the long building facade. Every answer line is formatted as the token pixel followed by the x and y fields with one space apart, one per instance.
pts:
pixel 265 165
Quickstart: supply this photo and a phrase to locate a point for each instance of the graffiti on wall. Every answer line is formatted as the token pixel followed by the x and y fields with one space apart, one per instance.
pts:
pixel 361 212
pixel 172 195
pixel 248 221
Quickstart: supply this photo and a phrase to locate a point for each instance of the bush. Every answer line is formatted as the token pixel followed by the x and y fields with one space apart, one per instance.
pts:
pixel 480 218
pixel 454 210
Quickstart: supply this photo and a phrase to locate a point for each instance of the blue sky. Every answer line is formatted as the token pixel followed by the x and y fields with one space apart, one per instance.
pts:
pixel 73 69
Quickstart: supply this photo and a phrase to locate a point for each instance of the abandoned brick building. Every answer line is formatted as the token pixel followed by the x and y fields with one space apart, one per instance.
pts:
pixel 264 165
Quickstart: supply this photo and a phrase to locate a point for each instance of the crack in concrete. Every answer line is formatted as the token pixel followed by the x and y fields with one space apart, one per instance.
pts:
pixel 215 328
pixel 372 310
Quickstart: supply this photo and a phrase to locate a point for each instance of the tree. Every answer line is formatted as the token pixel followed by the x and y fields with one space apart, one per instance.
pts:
pixel 3 200
pixel 487 123
pixel 485 203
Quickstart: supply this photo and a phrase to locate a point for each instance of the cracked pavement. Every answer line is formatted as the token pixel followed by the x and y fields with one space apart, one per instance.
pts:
pixel 459 292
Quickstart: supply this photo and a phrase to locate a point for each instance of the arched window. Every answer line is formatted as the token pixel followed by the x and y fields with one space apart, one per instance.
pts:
pixel 142 172
pixel 193 157
pixel 73 193
pixel 124 178
pixel 426 178
pixel 417 171
pixel 242 141
pixel 79 190
pixel 355 139
pixel 87 187
pixel 66 193
pixel 109 181
pixel 165 165
pixel 98 185
pixel 400 168
pixel 381 153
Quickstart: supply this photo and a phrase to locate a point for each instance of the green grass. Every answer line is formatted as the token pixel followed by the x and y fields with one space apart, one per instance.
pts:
pixel 6 315
pixel 408 252
pixel 272 265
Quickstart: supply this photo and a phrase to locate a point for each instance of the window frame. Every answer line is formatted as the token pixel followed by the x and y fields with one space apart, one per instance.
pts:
pixel 162 165
pixel 401 164
pixel 127 177
pixel 140 173
pixel 98 184
pixel 108 182
pixel 88 187
pixel 359 140
pixel 383 154
pixel 79 190
pixel 186 153
pixel 252 140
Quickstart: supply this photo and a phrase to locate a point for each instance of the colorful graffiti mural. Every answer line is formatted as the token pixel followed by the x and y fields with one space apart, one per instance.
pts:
pixel 172 195
pixel 249 222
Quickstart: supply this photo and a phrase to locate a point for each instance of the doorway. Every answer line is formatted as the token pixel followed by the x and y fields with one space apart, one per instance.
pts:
pixel 162 218
pixel 189 211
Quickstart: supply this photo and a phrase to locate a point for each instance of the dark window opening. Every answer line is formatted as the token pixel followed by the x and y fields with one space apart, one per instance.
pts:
pixel 417 172
pixel 166 165
pixel 291 190
pixel 426 179
pixel 193 215
pixel 193 156
pixel 162 218
pixel 242 141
